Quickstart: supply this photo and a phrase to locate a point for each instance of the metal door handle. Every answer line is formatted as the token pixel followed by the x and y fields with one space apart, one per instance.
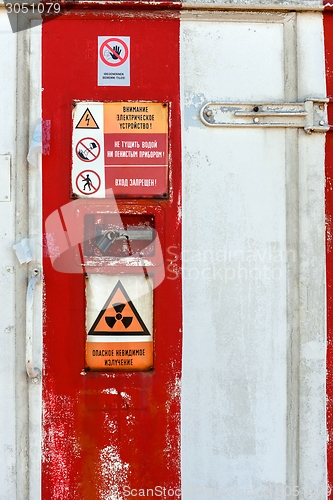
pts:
pixel 32 372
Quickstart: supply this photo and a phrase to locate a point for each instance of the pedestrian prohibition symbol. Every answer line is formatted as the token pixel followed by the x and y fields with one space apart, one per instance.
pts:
pixel 87 149
pixel 88 182
pixel 113 52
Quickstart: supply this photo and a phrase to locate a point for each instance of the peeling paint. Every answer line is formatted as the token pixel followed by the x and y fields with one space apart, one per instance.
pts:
pixel 113 471
pixel 114 474
pixel 172 443
pixel 174 391
pixel 112 390
pixel 192 104
pixel 60 445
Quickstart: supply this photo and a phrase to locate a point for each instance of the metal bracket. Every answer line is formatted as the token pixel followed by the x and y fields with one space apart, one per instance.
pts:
pixel 310 115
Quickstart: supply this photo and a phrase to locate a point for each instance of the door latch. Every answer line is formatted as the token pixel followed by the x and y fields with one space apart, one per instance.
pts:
pixel 310 115
pixel 104 239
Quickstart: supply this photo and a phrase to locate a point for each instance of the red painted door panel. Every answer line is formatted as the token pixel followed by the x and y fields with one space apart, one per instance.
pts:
pixel 106 434
pixel 328 33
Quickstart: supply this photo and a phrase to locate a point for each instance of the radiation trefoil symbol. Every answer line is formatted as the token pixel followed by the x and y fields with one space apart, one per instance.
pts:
pixel 119 316
pixel 111 320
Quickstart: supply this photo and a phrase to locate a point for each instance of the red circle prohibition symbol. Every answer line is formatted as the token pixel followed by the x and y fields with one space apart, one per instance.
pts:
pixel 113 54
pixel 91 185
pixel 87 149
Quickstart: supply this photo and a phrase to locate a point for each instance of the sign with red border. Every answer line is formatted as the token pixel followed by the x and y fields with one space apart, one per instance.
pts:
pixel 129 151
pixel 88 182
pixel 113 67
pixel 88 149
pixel 113 52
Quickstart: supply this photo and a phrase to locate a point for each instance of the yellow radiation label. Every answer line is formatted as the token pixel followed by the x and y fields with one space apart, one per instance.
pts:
pixel 119 356
pixel 119 339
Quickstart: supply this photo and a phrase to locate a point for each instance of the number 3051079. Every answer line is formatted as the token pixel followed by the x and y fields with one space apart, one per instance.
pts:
pixel 24 8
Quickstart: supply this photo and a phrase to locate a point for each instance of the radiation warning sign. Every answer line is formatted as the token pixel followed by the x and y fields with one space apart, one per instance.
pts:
pixel 119 339
pixel 119 316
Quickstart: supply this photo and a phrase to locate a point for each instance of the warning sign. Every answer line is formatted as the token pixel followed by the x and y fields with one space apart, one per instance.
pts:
pixel 119 338
pixel 113 52
pixel 136 137
pixel 113 61
pixel 119 316
pixel 118 356
pixel 88 149
pixel 129 150
pixel 87 121
pixel 88 182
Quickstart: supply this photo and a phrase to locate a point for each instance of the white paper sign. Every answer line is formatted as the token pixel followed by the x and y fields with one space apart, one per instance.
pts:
pixel 113 61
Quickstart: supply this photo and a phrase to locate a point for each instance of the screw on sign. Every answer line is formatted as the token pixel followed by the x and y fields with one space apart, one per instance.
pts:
pixel 88 182
pixel 87 149
pixel 113 52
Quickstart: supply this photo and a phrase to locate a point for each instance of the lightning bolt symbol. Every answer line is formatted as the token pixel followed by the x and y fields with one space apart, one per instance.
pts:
pixel 87 119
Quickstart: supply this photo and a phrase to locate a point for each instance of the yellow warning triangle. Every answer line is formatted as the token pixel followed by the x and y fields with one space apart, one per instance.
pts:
pixel 119 316
pixel 87 120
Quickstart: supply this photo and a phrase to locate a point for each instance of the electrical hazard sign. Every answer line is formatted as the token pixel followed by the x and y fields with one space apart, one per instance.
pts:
pixel 119 338
pixel 87 121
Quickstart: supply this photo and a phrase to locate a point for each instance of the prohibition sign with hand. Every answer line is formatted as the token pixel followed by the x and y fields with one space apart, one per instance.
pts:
pixel 113 52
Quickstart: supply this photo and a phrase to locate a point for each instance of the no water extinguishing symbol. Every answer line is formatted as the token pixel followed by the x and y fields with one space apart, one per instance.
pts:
pixel 87 149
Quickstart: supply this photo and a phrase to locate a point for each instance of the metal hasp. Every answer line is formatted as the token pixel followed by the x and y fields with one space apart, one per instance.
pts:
pixel 107 238
pixel 33 373
pixel 310 115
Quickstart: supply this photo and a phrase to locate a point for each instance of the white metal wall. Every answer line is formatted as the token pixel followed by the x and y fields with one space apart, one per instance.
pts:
pixel 253 241
pixel 20 410
pixel 7 266
pixel 253 397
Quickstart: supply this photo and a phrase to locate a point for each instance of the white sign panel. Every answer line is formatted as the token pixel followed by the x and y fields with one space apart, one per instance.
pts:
pixel 114 61
pixel 88 150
